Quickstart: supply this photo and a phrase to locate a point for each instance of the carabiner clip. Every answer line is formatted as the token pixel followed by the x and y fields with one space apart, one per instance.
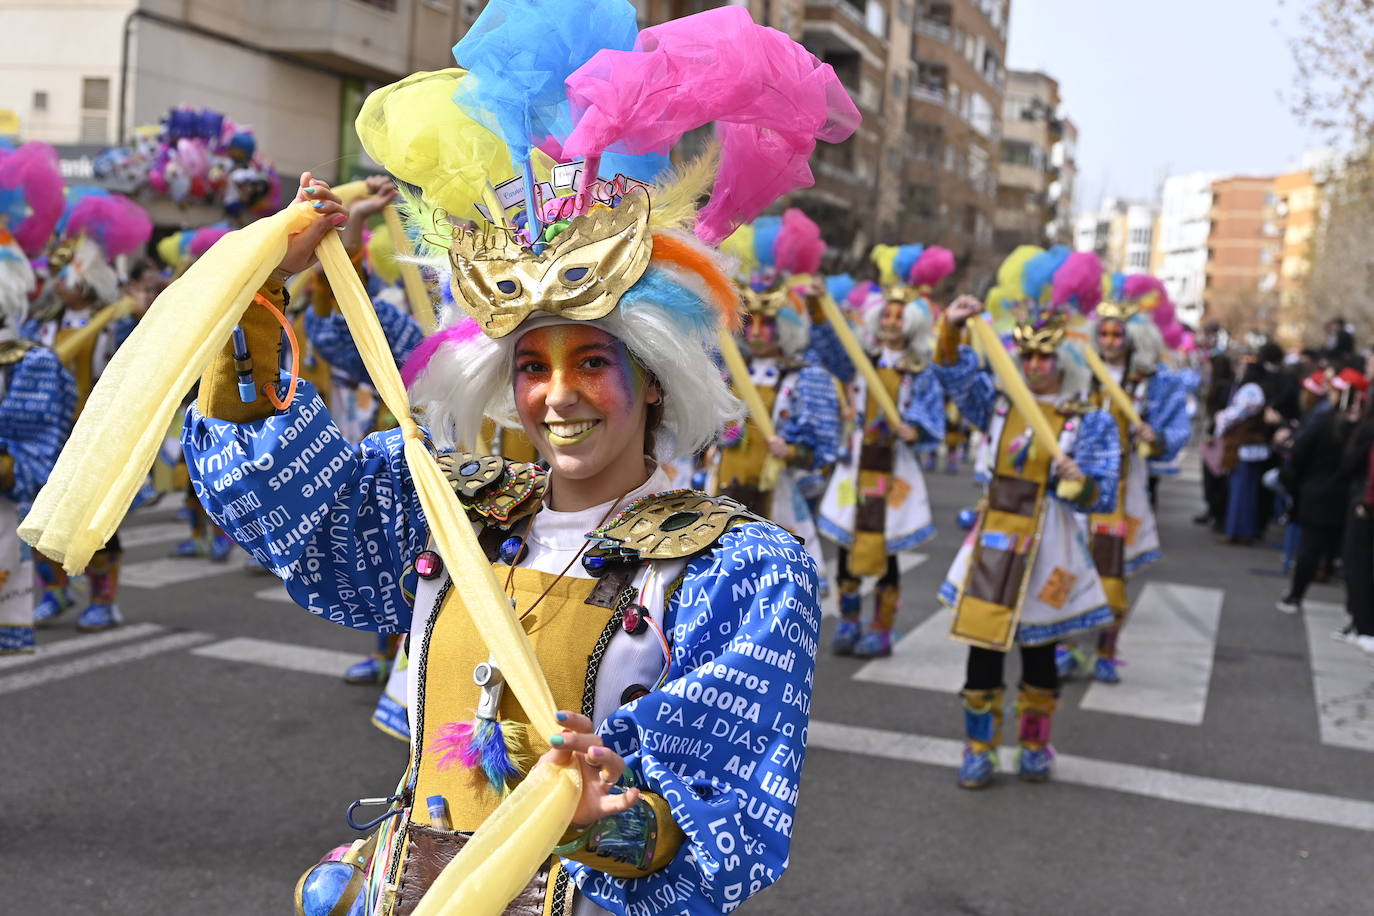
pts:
pixel 369 802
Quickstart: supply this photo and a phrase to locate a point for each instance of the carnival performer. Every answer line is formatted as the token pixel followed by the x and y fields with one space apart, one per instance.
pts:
pixel 1024 576
pixel 798 393
pixel 677 630
pixel 37 394
pixel 876 505
pixel 1124 541
pixel 76 318
pixel 354 402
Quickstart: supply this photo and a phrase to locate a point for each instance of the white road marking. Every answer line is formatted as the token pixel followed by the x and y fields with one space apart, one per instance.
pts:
pixel 156 533
pixel 1168 644
pixel 281 655
pixel 172 570
pixel 1342 680
pixel 1149 782
pixel 79 643
pixel 924 658
pixel 830 604
pixel 274 593
pixel 46 675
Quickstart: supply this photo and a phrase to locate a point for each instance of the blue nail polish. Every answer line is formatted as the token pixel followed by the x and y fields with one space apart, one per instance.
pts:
pixel 556 741
pixel 562 717
pixel 319 205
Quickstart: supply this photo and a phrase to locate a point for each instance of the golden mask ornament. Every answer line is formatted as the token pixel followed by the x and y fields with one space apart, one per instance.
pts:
pixel 580 275
pixel 1117 311
pixel 1042 336
pixel 768 302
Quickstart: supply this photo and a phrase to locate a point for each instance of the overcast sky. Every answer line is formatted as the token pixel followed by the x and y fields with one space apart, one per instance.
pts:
pixel 1166 86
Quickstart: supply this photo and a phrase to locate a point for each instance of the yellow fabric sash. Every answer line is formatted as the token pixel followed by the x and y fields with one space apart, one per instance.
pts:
pixel 416 294
pixel 114 443
pixel 877 391
pixel 1021 398
pixel 759 413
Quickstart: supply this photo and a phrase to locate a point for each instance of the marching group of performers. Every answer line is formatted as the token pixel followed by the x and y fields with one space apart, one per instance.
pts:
pixel 588 348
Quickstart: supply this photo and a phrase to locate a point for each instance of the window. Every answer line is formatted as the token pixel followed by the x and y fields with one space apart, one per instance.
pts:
pixel 927 142
pixel 846 66
pixel 980 114
pixel 922 201
pixel 875 18
pixel 40 100
pixel 1016 152
pixel 95 109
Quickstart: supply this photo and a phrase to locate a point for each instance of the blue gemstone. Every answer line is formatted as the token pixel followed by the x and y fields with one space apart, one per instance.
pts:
pixel 594 565
pixel 510 549
pixel 469 468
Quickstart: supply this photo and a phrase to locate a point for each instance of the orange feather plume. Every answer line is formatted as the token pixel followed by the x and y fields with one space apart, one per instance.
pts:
pixel 684 255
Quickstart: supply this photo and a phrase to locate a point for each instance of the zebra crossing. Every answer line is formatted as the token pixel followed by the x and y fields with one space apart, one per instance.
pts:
pixel 1169 645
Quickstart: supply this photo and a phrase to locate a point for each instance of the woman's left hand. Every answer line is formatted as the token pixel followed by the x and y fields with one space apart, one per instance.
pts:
pixel 601 769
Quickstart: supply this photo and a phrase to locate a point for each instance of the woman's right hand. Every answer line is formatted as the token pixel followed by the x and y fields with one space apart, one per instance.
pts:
pixel 962 309
pixel 300 247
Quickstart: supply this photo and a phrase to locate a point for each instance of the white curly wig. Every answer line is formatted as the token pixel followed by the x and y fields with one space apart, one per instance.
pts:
pixel 465 376
pixel 916 327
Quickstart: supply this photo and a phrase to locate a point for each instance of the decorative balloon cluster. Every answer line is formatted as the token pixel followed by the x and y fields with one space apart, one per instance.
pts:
pixel 195 156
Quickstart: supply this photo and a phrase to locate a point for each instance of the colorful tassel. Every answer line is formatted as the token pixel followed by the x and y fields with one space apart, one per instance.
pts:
pixel 498 748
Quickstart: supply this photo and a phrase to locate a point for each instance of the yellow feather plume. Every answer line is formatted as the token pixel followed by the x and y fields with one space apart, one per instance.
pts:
pixel 675 206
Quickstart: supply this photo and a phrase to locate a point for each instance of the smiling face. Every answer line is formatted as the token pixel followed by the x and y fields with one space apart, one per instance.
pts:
pixel 892 326
pixel 1042 372
pixel 1111 341
pixel 761 333
pixel 582 400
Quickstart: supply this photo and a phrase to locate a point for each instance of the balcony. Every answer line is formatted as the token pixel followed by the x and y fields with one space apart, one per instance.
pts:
pixel 935 95
pixel 362 37
pixel 936 30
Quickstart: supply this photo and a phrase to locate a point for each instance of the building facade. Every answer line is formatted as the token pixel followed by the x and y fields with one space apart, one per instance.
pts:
pixel 1037 170
pixel 954 131
pixel 89 71
pixel 1244 245
pixel 1121 233
pixel 1184 226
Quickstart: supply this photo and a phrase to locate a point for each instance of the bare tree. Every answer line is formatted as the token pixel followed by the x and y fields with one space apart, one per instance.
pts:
pixel 1334 54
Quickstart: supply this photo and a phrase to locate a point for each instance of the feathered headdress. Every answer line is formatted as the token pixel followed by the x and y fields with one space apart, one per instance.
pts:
pixel 31 195
pixel 542 186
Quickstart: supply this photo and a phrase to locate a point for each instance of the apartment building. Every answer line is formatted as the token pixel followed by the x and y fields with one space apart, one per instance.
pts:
pixel 1185 224
pixel 1244 244
pixel 954 130
pixel 1038 166
pixel 89 71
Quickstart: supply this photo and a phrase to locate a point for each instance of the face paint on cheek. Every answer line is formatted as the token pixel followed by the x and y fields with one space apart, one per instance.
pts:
pixel 611 391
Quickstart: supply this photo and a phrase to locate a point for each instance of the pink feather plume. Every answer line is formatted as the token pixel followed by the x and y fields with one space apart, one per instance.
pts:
pixel 798 248
pixel 934 264
pixel 206 237
pixel 770 98
pixel 116 222
pixel 1078 282
pixel 33 169
pixel 419 358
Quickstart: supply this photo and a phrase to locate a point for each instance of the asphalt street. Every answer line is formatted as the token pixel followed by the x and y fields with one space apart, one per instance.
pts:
pixel 196 761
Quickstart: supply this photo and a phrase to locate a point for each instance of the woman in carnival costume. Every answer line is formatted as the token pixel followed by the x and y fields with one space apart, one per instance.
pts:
pixel 37 394
pixel 677 630
pixel 876 505
pixel 799 393
pixel 75 313
pixel 1125 331
pixel 1024 576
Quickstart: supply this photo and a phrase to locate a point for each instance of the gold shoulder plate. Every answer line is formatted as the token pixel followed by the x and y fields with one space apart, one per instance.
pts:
pixel 495 491
pixel 671 525
pixel 13 351
pixel 1076 408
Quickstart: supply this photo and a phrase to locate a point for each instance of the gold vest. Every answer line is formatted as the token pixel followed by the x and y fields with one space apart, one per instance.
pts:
pixel 989 604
